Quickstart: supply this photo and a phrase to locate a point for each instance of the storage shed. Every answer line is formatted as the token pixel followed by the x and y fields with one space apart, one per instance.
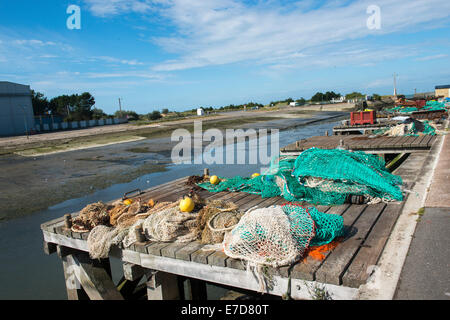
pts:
pixel 16 109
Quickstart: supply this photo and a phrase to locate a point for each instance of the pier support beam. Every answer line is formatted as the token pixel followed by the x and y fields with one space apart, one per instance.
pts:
pixel 87 278
pixel 162 286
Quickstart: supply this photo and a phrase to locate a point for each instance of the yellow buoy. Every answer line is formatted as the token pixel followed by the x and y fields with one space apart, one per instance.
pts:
pixel 127 202
pixel 255 175
pixel 214 180
pixel 187 205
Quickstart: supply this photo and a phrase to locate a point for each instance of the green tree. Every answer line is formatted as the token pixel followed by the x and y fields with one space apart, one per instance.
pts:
pixel 301 101
pixel 155 115
pixel 165 111
pixel 354 95
pixel 82 110
pixel 130 115
pixel 40 103
pixel 319 96
pixel 98 114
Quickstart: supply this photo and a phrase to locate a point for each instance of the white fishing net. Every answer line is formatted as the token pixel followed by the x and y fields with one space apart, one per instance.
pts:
pixel 101 238
pixel 267 236
pixel 171 225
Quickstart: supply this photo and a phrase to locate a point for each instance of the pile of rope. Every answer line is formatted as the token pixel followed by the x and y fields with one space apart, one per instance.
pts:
pixel 161 221
pixel 215 219
pixel 91 216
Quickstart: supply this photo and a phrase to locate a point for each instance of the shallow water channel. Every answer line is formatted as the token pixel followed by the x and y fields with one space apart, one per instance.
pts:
pixel 27 273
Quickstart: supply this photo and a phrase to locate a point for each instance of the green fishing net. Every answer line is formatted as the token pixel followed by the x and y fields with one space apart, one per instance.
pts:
pixel 319 176
pixel 327 227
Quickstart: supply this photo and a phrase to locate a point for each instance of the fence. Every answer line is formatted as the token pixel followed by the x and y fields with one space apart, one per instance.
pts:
pixel 45 126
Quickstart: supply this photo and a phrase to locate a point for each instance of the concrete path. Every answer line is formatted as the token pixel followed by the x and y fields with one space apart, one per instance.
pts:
pixel 426 272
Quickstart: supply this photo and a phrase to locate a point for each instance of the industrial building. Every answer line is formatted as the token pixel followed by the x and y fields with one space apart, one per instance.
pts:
pixel 442 91
pixel 16 109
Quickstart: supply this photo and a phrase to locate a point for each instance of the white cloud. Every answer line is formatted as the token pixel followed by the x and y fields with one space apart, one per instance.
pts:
pixel 114 7
pixel 217 32
pixel 433 57
pixel 133 62
pixel 34 43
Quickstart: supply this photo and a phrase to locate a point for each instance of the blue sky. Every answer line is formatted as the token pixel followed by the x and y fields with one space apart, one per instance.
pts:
pixel 181 54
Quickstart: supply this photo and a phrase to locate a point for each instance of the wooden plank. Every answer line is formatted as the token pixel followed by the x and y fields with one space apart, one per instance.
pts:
pixel 186 252
pixel 337 262
pixel 155 248
pixel 170 250
pixel 370 251
pixel 52 224
pixel 417 142
pixel 306 268
pixel 217 258
pixel 73 287
pixel 201 256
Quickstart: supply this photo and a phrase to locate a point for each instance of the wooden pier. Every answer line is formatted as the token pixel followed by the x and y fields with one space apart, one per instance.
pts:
pixel 364 128
pixel 368 144
pixel 164 266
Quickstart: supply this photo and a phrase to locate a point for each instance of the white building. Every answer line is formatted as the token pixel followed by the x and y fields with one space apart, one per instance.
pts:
pixel 16 109
pixel 200 112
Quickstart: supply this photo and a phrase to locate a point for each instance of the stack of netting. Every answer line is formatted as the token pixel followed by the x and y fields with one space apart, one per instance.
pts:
pixel 434 106
pixel 321 177
pixel 280 235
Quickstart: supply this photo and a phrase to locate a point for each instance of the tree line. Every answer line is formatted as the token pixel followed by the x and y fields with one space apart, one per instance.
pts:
pixel 78 107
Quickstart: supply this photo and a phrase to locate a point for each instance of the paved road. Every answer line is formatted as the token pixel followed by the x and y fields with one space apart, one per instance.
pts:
pixel 426 272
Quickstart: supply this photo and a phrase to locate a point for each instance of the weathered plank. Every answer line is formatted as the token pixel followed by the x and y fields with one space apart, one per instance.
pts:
pixel 217 258
pixel 361 266
pixel 338 260
pixel 186 252
pixel 94 279
pixel 170 250
pixel 155 248
pixel 307 267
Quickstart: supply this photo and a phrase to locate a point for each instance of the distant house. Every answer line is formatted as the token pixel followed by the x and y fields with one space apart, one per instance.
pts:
pixel 16 109
pixel 200 112
pixel 442 91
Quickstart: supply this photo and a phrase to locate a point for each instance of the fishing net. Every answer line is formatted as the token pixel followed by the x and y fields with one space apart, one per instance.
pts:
pixel 216 218
pixel 434 106
pixel 319 176
pixel 327 227
pixel 91 216
pixel 269 236
pixel 101 238
pixel 340 173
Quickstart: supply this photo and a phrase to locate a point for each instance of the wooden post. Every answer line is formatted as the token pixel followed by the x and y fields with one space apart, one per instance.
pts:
pixel 86 277
pixel 68 220
pixel 139 233
pixel 206 172
pixel 162 286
